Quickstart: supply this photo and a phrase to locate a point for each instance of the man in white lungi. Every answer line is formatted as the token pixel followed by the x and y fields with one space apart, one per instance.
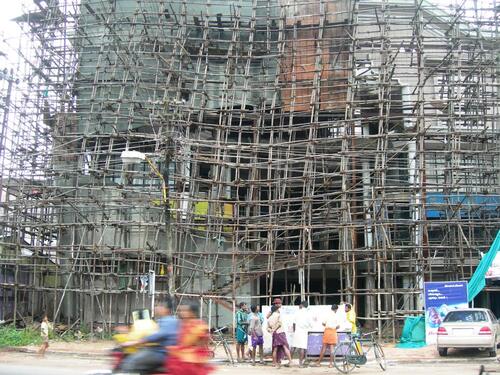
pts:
pixel 301 326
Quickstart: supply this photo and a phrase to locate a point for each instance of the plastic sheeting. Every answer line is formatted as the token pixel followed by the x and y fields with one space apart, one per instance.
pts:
pixel 413 335
pixel 478 280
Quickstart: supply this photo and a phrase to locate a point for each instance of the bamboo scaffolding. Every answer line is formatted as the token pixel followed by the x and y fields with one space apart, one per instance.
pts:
pixel 325 150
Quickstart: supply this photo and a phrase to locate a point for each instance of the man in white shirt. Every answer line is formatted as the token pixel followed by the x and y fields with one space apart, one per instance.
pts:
pixel 301 326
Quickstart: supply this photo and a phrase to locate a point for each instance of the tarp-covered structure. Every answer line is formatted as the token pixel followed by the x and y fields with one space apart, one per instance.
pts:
pixel 413 335
pixel 478 279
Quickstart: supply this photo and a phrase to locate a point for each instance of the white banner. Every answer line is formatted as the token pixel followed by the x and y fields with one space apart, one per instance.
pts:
pixel 494 270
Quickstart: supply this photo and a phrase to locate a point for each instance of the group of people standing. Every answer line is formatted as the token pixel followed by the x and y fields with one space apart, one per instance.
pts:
pixel 332 323
pixel 249 324
pixel 252 324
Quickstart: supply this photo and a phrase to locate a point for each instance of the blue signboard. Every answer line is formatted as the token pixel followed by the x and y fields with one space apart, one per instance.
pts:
pixel 440 298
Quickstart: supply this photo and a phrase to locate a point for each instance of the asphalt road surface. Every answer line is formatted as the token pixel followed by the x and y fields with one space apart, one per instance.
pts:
pixel 27 364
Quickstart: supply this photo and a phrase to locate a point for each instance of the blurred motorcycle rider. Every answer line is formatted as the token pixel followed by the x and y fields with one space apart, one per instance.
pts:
pixel 154 354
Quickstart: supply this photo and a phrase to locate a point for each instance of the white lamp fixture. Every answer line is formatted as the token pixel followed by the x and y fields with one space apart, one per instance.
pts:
pixel 132 157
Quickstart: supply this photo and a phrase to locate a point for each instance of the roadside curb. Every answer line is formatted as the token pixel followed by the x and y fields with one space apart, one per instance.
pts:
pixel 98 356
pixel 390 362
pixel 478 361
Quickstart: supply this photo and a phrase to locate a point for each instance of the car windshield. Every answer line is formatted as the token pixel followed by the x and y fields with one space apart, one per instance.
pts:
pixel 465 316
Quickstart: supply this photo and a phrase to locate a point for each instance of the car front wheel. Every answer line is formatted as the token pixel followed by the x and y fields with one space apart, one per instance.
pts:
pixel 443 352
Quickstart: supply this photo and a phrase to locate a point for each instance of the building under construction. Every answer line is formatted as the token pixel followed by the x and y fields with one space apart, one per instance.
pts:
pixel 320 149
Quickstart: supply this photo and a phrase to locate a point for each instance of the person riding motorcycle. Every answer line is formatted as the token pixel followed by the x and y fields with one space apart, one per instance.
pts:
pixel 153 353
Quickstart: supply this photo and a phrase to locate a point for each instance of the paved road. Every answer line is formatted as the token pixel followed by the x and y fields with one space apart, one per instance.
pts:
pixel 25 364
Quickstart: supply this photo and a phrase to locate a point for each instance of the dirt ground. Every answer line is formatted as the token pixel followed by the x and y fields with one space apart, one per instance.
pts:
pixel 100 348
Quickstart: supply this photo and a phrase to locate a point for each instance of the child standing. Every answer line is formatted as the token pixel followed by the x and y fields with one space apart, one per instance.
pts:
pixel 44 331
pixel 256 333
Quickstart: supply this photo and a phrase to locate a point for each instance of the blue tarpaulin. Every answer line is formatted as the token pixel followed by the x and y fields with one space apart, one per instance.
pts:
pixel 439 205
pixel 478 280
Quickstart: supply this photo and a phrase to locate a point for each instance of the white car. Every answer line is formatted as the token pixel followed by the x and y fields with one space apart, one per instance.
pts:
pixel 468 328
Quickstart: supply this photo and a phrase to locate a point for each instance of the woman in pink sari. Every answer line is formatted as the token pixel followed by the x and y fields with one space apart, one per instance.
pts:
pixel 191 355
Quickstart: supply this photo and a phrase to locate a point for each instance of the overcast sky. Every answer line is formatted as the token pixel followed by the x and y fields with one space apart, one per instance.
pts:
pixel 9 10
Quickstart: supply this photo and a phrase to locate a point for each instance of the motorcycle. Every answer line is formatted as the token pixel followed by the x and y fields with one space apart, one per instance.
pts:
pixel 117 358
pixel 142 326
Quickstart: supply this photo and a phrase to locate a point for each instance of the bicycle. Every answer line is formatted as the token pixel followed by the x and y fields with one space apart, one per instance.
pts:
pixel 353 353
pixel 217 339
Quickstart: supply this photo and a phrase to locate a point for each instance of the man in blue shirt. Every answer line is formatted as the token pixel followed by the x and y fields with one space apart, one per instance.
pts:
pixel 153 355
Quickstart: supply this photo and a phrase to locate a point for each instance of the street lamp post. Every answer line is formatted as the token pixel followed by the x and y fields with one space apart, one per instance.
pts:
pixel 136 157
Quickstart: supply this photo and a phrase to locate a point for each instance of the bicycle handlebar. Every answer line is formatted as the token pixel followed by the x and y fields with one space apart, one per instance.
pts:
pixel 369 333
pixel 220 329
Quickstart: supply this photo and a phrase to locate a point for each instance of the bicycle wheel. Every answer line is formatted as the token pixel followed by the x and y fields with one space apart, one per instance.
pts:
pixel 379 356
pixel 341 357
pixel 229 354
